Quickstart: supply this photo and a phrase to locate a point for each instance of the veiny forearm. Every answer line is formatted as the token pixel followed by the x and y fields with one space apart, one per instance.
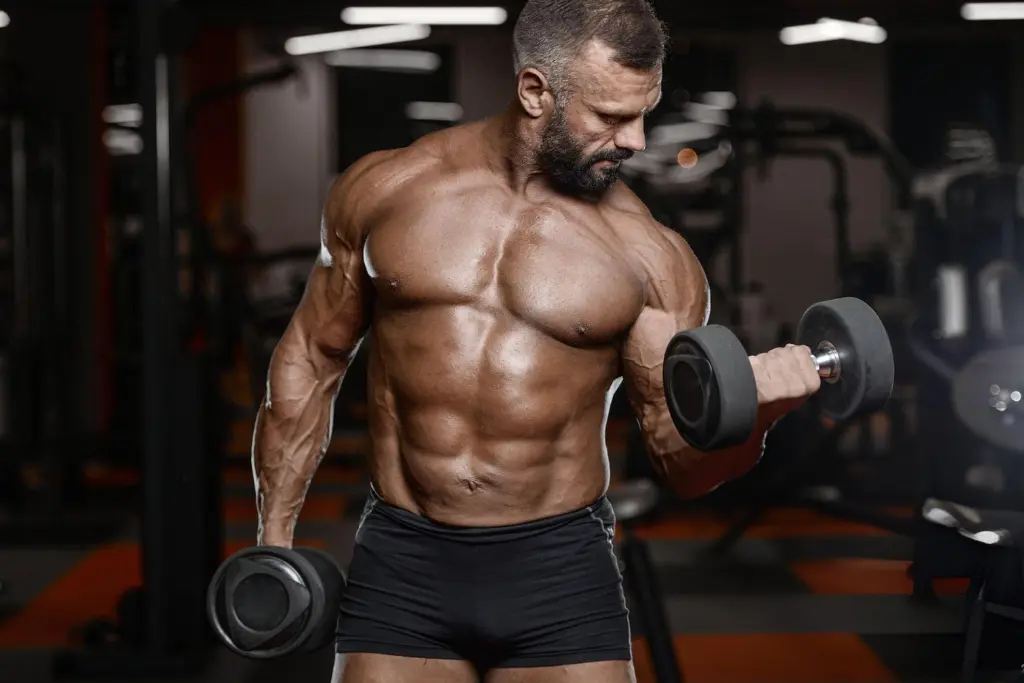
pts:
pixel 293 430
pixel 690 472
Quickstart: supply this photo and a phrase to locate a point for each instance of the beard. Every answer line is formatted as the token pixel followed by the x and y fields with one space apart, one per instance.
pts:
pixel 562 158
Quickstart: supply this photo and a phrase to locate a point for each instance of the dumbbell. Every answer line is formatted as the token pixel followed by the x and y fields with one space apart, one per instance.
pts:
pixel 710 387
pixel 266 602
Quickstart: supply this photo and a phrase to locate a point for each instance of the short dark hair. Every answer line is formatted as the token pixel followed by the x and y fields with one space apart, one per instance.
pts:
pixel 550 34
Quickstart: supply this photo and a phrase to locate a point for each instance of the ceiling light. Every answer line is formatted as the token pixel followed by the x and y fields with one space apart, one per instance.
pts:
pixel 5 19
pixel 122 142
pixel 362 37
pixel 433 111
pixel 833 29
pixel 452 16
pixel 123 114
pixel 386 60
pixel 992 11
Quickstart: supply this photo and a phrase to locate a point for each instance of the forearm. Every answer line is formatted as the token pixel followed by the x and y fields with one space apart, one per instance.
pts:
pixel 690 472
pixel 293 430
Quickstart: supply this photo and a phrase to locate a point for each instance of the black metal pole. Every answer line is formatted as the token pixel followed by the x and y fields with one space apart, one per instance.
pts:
pixel 176 524
pixel 22 322
pixel 734 219
pixel 649 604
pixel 160 305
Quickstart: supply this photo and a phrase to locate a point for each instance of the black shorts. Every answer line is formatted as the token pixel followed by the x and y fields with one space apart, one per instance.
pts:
pixel 543 593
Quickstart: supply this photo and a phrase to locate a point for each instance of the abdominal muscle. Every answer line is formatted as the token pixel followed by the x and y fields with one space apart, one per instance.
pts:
pixel 483 420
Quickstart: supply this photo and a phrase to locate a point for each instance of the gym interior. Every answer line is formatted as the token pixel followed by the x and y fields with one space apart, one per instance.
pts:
pixel 165 165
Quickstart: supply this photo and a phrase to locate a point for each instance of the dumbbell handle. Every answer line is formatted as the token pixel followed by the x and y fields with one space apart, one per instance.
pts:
pixel 826 360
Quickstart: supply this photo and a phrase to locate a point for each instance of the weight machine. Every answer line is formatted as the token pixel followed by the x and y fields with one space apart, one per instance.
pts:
pixel 35 413
pixel 703 202
pixel 178 482
pixel 162 628
pixel 774 130
pixel 735 138
pixel 968 343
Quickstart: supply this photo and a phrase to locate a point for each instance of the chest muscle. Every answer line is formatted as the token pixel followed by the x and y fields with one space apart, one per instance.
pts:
pixel 552 272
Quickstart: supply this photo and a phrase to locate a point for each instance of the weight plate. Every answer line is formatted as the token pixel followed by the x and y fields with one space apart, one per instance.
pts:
pixel 266 602
pixel 988 397
pixel 333 581
pixel 866 372
pixel 709 388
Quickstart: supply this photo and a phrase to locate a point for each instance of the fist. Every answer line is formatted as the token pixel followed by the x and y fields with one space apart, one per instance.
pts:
pixel 785 378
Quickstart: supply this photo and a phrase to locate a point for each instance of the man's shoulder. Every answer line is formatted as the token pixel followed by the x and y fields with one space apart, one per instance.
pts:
pixel 675 278
pixel 366 186
pixel 432 158
pixel 382 173
pixel 637 225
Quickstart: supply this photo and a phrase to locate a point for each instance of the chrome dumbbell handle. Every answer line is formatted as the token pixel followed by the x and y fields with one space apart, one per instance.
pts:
pixel 826 360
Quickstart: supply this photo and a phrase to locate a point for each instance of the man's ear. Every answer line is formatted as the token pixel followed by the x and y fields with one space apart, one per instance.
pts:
pixel 534 92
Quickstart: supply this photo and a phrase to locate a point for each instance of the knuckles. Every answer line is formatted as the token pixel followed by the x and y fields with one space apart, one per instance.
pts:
pixel 786 373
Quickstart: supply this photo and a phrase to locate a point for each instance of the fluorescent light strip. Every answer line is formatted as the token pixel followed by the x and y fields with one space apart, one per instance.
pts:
pixel 433 111
pixel 396 60
pixel 362 37
pixel 437 16
pixel 992 11
pixel 833 29
pixel 122 142
pixel 123 114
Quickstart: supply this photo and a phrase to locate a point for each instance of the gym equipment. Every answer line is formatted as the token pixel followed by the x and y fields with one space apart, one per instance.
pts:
pixel 710 386
pixel 996 568
pixel 986 391
pixel 1000 287
pixel 704 202
pixel 987 397
pixel 182 426
pixel 853 354
pixel 266 602
pixel 180 486
pixel 632 502
pixel 35 296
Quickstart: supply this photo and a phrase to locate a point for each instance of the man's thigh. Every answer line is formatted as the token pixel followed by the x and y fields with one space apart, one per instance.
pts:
pixel 373 668
pixel 592 672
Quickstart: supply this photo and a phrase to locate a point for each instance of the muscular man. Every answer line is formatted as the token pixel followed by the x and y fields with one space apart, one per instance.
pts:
pixel 508 284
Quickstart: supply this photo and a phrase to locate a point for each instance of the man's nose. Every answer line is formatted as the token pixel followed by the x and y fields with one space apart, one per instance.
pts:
pixel 631 136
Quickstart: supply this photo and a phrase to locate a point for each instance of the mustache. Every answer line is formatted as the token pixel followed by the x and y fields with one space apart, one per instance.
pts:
pixel 616 155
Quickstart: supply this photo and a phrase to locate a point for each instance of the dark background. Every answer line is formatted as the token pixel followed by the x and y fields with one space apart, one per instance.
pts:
pixel 128 387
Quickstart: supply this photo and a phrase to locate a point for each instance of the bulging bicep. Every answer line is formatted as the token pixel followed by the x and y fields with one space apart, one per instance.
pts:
pixel 678 299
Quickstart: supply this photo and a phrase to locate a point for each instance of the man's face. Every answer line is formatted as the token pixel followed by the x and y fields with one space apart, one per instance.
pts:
pixel 600 124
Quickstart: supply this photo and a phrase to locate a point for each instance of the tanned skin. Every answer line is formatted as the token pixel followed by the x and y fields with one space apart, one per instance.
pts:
pixel 501 313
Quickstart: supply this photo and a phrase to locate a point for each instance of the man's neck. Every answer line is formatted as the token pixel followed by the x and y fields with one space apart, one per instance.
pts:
pixel 513 142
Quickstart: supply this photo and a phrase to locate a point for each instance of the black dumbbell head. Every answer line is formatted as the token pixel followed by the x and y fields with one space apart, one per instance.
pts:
pixel 858 335
pixel 710 388
pixel 266 602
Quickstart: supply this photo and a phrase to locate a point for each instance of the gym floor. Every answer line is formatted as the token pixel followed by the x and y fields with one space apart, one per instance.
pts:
pixel 802 598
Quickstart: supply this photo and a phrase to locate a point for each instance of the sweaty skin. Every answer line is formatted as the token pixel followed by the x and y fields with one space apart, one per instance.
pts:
pixel 506 285
pixel 501 314
pixel 499 326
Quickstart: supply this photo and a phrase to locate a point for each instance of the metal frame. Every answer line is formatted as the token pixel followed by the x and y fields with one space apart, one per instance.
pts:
pixel 180 531
pixel 783 490
pixel 649 602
